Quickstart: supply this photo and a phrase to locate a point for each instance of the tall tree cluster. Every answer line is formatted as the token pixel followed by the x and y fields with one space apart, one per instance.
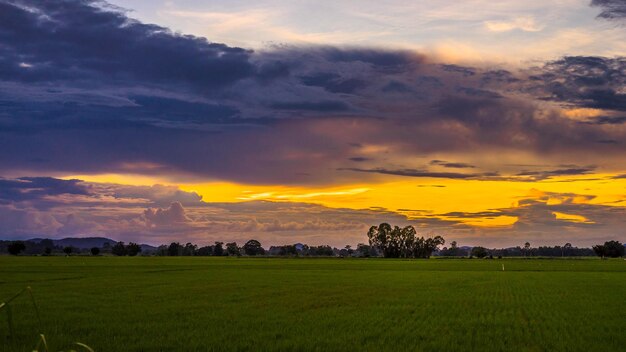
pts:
pixel 396 242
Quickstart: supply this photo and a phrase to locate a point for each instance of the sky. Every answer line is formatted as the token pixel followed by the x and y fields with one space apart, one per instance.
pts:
pixel 486 123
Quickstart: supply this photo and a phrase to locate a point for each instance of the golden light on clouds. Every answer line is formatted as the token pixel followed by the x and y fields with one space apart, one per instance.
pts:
pixel 571 218
pixel 121 179
pixel 416 198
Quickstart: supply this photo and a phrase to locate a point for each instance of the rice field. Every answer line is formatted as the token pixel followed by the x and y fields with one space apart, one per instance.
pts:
pixel 271 304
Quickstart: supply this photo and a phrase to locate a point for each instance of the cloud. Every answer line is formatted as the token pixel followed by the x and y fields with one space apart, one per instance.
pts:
pixel 425 173
pixel 173 215
pixel 322 106
pixel 38 188
pixel 545 174
pixel 523 176
pixel 607 120
pixel 585 81
pixel 451 164
pixel 359 159
pixel 526 24
pixel 611 9
pixel 77 40
pixel 159 195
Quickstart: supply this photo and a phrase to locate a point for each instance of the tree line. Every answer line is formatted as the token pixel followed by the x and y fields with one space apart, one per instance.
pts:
pixel 384 241
pixel 250 248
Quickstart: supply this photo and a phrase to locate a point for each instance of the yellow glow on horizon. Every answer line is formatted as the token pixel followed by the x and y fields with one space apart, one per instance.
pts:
pixel 417 198
pixel 121 179
pixel 497 221
pixel 412 197
pixel 571 217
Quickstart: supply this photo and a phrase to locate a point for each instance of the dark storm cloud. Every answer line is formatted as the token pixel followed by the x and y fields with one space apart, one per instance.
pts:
pixel 586 81
pixel 451 164
pixel 320 106
pixel 359 159
pixel 85 89
pixel 524 176
pixel 611 9
pixel 377 58
pixel 465 71
pixel 333 82
pixel 478 92
pixel 500 76
pixel 35 188
pixel 543 174
pixel 396 87
pixel 607 120
pixel 79 40
pixel 424 173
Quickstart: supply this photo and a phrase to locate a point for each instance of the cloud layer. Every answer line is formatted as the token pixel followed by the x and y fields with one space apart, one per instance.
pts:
pixel 78 75
pixel 84 89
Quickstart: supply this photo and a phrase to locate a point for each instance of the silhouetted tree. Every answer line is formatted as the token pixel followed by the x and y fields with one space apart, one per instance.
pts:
pixel 364 250
pixel 205 251
pixel 190 249
pixel 402 242
pixel 218 250
pixel 174 249
pixel 527 248
pixel 67 250
pixel 612 249
pixel 325 251
pixel 232 249
pixel 118 249
pixel 424 248
pixel 566 248
pixel 453 251
pixel 132 249
pixel 16 247
pixel 253 247
pixel 95 251
pixel 599 250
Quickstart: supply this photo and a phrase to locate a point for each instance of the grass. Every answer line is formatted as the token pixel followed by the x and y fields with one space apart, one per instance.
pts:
pixel 245 304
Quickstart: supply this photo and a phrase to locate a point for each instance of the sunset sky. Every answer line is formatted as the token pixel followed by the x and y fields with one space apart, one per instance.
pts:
pixel 489 123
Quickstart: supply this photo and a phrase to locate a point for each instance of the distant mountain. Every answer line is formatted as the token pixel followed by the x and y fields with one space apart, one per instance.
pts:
pixel 79 242
pixel 88 242
pixel 146 248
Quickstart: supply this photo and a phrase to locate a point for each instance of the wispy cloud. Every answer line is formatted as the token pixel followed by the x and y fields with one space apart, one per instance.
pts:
pixel 526 24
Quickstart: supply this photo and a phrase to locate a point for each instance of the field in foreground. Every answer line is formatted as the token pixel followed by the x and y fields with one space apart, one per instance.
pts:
pixel 199 304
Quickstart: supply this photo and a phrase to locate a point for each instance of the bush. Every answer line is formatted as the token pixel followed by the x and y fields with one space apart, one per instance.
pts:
pixel 479 252
pixel 95 251
pixel 16 247
pixel 119 249
pixel 133 249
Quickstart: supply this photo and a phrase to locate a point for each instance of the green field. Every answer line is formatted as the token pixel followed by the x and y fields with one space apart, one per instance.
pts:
pixel 200 304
